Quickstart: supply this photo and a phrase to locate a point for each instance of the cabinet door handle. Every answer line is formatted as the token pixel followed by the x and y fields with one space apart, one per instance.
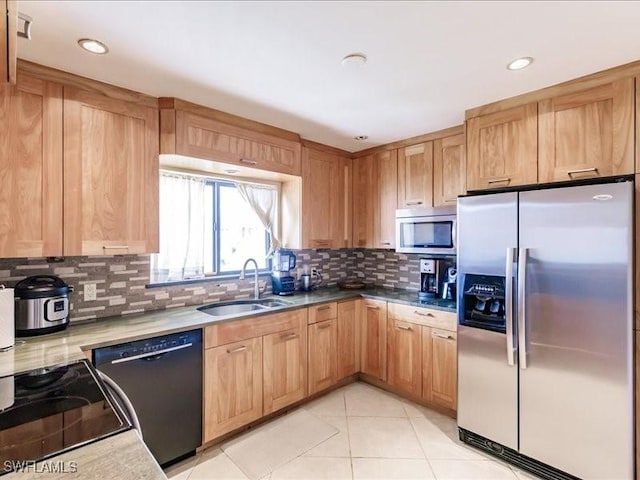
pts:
pixel 324 325
pixel 321 243
pixel 324 307
pixel 454 199
pixel 115 247
pixel 582 170
pixel 249 161
pixel 439 335
pixel 499 180
pixel 373 307
pixel 404 327
pixel 237 350
pixel 289 336
pixel 416 202
pixel 428 314
pixel 385 243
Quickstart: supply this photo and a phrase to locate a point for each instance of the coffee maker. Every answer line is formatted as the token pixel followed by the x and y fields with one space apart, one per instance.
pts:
pixel 282 281
pixel 429 278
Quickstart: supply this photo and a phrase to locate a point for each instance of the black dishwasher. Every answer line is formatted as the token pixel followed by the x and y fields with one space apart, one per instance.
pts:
pixel 162 377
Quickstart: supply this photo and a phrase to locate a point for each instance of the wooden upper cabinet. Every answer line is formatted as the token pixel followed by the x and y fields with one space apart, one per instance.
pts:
pixel 326 200
pixel 449 170
pixel 364 192
pixel 502 148
pixel 349 337
pixel 110 175
pixel 386 167
pixel 373 338
pixel 587 134
pixel 195 131
pixel 9 41
pixel 31 169
pixel 415 176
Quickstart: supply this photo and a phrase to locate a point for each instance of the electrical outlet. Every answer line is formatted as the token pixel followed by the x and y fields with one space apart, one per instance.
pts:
pixel 90 292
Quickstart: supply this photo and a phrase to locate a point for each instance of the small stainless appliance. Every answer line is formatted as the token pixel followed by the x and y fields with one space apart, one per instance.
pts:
pixel 545 328
pixel 162 377
pixel 429 278
pixel 449 283
pixel 282 281
pixel 426 230
pixel 41 305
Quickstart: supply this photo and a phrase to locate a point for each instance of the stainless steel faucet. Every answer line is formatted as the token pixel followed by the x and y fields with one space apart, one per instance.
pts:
pixel 256 287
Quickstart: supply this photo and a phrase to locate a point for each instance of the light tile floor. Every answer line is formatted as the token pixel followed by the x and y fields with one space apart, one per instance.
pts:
pixel 381 436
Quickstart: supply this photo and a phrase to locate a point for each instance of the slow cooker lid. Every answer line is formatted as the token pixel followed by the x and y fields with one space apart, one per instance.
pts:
pixel 40 286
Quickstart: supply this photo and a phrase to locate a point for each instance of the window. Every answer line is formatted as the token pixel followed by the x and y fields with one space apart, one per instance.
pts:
pixel 207 228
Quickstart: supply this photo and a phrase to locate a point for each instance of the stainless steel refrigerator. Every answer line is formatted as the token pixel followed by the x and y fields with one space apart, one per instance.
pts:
pixel 545 312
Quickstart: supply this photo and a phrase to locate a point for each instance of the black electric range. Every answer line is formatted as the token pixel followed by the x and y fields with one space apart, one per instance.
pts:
pixel 47 411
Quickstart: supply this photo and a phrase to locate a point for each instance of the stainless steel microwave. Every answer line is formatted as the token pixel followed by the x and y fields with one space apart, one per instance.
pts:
pixel 426 230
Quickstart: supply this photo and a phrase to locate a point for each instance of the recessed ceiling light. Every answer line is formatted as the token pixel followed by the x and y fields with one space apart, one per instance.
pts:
pixel 232 171
pixel 361 137
pixel 520 63
pixel 93 46
pixel 354 59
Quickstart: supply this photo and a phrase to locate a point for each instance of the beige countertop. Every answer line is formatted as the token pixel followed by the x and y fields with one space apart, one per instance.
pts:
pixel 70 344
pixel 114 458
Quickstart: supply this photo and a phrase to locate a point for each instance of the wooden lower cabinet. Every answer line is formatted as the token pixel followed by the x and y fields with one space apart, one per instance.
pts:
pixel 373 338
pixel 323 341
pixel 284 368
pixel 404 356
pixel 232 386
pixel 440 367
pixel 348 338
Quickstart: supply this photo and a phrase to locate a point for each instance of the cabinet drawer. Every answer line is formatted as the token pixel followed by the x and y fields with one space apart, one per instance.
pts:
pixel 423 316
pixel 320 313
pixel 239 330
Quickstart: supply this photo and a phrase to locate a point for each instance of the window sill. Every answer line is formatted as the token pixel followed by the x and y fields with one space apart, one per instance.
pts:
pixel 207 279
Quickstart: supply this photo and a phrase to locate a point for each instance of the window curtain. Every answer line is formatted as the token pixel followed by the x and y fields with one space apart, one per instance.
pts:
pixel 182 228
pixel 263 200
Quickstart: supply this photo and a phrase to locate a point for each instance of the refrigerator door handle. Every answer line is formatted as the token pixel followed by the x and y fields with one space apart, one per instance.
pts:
pixel 508 305
pixel 522 320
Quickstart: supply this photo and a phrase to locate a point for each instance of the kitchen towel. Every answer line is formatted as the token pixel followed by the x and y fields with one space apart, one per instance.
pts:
pixel 259 452
pixel 7 319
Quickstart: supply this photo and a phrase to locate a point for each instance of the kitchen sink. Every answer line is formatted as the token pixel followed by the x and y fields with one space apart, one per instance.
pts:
pixel 240 306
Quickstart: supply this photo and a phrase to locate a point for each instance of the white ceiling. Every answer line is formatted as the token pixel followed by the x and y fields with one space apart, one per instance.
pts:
pixel 279 62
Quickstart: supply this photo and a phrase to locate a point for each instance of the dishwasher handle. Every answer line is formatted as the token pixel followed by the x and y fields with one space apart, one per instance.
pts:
pixel 122 400
pixel 151 355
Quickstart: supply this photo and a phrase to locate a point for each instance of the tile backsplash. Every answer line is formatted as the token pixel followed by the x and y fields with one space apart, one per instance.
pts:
pixel 121 280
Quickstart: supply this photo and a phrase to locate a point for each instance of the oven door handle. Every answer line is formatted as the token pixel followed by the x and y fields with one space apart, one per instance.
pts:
pixel 508 305
pixel 122 400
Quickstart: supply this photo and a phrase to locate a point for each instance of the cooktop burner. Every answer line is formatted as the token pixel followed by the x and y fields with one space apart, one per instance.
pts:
pixel 47 411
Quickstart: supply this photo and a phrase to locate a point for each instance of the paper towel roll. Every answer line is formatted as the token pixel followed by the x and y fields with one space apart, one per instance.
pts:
pixel 7 395
pixel 7 319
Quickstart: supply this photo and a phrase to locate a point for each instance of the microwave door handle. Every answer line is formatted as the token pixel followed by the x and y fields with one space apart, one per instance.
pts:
pixel 508 305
